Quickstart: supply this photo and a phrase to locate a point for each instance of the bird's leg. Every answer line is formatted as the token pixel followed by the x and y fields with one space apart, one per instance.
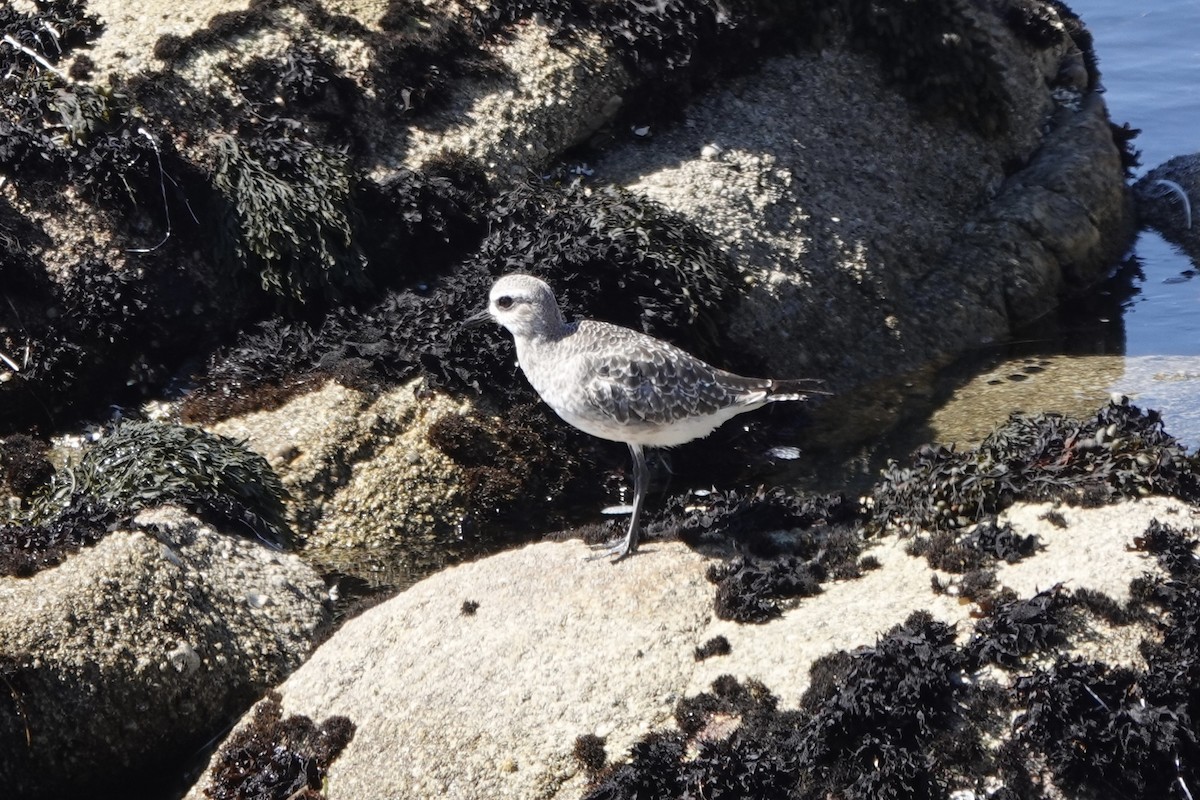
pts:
pixel 641 482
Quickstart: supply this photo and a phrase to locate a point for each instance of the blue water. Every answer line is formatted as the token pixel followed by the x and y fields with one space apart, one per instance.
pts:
pixel 1149 52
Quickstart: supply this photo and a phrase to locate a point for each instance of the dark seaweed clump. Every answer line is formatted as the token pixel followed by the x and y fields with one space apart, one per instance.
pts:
pixel 51 128
pixel 898 722
pixel 789 544
pixel 275 757
pixel 94 334
pixel 972 548
pixel 24 466
pixel 589 752
pixel 26 549
pixel 139 465
pixel 1098 727
pixel 415 225
pixel 1110 731
pixel 1017 628
pixel 1123 136
pixel 716 646
pixel 512 464
pixel 408 333
pixel 1122 452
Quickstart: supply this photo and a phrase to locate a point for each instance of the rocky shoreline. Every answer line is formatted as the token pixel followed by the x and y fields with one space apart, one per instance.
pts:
pixel 236 246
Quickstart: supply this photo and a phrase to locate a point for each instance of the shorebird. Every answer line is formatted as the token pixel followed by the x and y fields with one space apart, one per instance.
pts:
pixel 622 385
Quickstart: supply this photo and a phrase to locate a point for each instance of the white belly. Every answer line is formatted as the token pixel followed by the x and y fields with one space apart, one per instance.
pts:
pixel 679 432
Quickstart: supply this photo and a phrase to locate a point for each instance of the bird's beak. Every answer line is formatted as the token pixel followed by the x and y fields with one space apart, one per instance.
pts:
pixel 475 320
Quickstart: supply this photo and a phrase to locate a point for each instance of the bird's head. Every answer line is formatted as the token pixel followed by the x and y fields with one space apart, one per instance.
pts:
pixel 525 306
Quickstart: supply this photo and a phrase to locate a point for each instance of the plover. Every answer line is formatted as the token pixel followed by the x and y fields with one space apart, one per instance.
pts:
pixel 622 385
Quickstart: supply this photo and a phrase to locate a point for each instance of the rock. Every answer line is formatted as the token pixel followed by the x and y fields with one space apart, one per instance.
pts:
pixel 885 205
pixel 913 233
pixel 121 661
pixel 490 704
pixel 1168 200
pixel 372 498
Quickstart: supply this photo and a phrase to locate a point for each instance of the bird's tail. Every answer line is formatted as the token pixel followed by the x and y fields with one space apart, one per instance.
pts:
pixel 794 389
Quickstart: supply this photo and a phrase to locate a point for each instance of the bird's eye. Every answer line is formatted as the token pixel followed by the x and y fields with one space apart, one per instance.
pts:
pixel 504 302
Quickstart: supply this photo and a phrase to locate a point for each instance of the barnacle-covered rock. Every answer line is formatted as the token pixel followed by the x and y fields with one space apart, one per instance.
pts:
pixel 122 660
pixel 900 225
pixel 372 498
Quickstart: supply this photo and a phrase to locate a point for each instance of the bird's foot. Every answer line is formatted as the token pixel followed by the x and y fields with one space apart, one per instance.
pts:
pixel 619 548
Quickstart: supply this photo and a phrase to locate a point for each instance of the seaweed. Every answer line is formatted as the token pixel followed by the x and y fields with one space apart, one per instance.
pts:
pixel 96 333
pixel 418 51
pixel 276 757
pixel 1119 730
pixel 23 464
pixel 1017 628
pixel 52 30
pixel 632 260
pixel 1100 727
pixel 589 752
pixel 1122 452
pixel 143 464
pixel 653 771
pixel 716 646
pixel 791 542
pixel 416 225
pixel 910 716
pixel 603 250
pixel 513 462
pixel 894 724
pixel 750 592
pixel 972 548
pixel 287 218
pixel 1123 136
pixel 52 129
pixel 26 549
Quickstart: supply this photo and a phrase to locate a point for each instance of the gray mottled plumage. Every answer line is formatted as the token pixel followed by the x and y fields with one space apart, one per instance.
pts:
pixel 622 385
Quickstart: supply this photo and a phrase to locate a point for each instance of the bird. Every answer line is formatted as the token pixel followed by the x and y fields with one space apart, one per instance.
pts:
pixel 623 385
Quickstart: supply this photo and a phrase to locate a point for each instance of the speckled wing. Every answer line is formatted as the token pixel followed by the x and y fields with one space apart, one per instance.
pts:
pixel 632 378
